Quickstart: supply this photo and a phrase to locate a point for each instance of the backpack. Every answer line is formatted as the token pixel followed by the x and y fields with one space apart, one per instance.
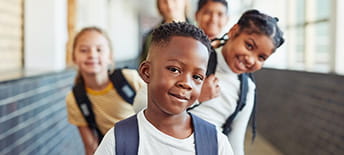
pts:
pixel 211 68
pixel 127 136
pixel 123 89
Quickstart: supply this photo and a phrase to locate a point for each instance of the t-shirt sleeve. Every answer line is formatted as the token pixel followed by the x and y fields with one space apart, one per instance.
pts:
pixel 225 147
pixel 75 116
pixel 107 145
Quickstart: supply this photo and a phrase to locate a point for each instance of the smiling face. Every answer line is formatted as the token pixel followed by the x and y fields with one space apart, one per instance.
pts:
pixel 212 18
pixel 92 53
pixel 174 73
pixel 245 52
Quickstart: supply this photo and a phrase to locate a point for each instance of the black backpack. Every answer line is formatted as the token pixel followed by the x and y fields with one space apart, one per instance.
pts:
pixel 122 87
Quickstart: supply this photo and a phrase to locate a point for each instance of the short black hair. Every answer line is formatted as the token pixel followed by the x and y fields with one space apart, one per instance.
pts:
pixel 202 3
pixel 162 35
pixel 253 21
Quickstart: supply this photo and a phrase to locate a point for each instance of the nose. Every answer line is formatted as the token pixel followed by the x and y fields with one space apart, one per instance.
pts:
pixel 93 52
pixel 249 61
pixel 184 83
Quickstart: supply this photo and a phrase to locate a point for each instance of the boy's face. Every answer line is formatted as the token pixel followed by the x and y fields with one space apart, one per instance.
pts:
pixel 212 18
pixel 92 53
pixel 174 74
pixel 246 52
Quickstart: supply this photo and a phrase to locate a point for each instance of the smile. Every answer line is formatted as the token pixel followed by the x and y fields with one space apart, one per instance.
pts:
pixel 179 97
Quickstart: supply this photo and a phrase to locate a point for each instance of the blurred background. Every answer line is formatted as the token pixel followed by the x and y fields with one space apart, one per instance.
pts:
pixel 301 88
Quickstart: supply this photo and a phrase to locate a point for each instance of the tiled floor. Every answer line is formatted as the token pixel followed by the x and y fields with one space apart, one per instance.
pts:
pixel 260 146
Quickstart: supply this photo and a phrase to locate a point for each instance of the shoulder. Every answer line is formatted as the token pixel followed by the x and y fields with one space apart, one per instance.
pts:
pixel 70 100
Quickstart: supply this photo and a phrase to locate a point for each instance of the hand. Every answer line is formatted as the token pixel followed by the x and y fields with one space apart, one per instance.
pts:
pixel 210 88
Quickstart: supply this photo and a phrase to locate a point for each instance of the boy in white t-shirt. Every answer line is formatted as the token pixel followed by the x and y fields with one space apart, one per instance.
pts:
pixel 174 72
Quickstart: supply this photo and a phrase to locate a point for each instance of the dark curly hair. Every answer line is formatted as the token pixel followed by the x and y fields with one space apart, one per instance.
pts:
pixel 253 21
pixel 202 3
pixel 162 35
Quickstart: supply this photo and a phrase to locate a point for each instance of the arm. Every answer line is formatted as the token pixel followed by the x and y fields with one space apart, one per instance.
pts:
pixel 90 141
pixel 210 88
pixel 239 125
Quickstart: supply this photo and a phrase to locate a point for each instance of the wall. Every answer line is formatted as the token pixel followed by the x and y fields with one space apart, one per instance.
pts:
pixel 33 117
pixel 45 34
pixel 301 113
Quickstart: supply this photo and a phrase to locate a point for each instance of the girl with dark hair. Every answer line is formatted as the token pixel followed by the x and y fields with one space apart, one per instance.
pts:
pixel 246 46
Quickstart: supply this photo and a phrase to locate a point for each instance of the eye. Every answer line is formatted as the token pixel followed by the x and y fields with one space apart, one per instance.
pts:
pixel 99 50
pixel 173 69
pixel 198 77
pixel 83 50
pixel 262 58
pixel 249 46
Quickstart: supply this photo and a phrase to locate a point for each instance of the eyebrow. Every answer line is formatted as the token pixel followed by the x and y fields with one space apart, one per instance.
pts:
pixel 183 64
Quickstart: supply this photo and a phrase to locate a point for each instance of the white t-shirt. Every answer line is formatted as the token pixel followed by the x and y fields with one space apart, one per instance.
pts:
pixel 155 142
pixel 217 110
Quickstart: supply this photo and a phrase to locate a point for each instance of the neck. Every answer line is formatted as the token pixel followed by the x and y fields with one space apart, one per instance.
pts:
pixel 96 81
pixel 178 126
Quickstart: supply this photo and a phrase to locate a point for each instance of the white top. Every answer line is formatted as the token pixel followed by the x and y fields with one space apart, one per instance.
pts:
pixel 154 142
pixel 217 110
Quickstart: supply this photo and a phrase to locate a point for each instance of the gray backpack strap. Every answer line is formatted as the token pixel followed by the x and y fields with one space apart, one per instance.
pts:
pixel 127 136
pixel 205 137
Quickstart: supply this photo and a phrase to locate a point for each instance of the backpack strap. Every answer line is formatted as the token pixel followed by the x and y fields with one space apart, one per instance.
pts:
pixel 212 62
pixel 254 111
pixel 127 136
pixel 240 103
pixel 205 137
pixel 122 86
pixel 85 107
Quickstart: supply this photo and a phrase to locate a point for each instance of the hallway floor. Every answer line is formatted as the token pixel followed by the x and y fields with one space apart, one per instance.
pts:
pixel 260 145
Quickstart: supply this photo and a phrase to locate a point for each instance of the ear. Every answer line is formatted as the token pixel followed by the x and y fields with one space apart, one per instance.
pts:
pixel 144 71
pixel 233 31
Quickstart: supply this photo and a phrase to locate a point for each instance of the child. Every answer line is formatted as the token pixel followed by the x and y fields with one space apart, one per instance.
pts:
pixel 92 54
pixel 212 17
pixel 174 71
pixel 170 10
pixel 251 41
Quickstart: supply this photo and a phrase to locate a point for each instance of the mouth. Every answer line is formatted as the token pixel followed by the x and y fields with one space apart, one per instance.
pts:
pixel 179 97
pixel 240 65
pixel 91 63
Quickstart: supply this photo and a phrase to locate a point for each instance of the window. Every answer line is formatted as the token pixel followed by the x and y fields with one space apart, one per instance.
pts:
pixel 309 31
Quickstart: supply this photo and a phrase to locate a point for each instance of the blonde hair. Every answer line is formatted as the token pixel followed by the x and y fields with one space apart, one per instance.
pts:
pixel 78 78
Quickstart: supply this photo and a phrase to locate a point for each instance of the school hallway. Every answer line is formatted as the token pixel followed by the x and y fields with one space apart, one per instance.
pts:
pixel 300 89
pixel 260 146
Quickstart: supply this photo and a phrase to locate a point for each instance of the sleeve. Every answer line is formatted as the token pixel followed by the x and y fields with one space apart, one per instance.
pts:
pixel 74 114
pixel 225 147
pixel 239 125
pixel 107 145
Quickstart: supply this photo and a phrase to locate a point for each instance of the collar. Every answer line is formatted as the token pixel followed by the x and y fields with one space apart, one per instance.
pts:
pixel 222 65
